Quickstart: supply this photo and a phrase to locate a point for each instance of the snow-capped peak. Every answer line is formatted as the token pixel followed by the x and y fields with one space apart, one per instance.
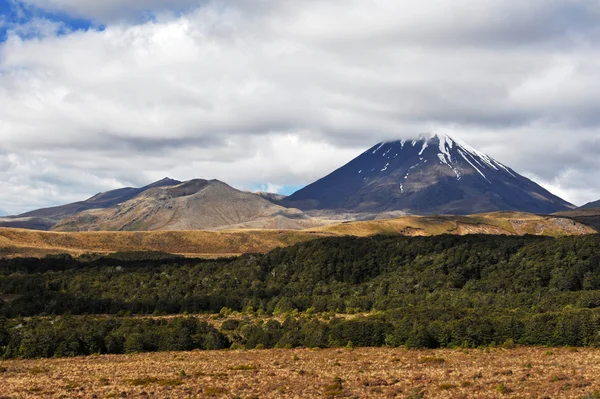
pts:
pixel 453 152
pixel 426 173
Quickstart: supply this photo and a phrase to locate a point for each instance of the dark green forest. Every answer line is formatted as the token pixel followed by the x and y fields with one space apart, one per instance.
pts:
pixel 439 291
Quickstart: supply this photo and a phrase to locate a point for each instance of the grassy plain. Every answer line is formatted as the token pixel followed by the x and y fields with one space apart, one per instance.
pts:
pixel 306 373
pixel 193 243
pixel 21 242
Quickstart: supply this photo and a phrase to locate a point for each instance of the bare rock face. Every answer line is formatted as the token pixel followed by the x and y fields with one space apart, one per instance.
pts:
pixel 432 174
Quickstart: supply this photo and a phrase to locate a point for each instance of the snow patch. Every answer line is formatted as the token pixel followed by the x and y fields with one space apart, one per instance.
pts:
pixel 446 145
pixel 475 167
pixel 377 149
pixel 456 172
pixel 476 154
pixel 425 145
pixel 505 168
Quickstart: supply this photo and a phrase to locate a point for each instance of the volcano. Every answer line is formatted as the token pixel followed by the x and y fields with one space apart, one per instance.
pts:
pixel 433 174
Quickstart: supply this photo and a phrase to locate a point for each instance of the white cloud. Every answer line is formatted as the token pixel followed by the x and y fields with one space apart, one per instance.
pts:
pixel 285 92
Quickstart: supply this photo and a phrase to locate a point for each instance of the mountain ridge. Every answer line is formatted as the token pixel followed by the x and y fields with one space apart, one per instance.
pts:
pixel 591 205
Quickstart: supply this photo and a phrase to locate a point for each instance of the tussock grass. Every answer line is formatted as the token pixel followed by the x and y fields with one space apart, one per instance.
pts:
pixel 243 367
pixel 386 372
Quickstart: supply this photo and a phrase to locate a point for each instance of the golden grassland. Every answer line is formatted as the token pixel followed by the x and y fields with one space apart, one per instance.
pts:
pixel 509 223
pixel 21 242
pixel 193 243
pixel 305 373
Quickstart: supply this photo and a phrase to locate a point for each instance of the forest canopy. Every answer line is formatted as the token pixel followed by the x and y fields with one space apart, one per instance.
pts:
pixel 423 291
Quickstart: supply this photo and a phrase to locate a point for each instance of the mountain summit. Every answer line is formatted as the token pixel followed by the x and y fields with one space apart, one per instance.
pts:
pixel 431 174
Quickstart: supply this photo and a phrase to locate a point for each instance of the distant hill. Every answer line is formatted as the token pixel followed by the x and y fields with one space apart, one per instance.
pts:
pixel 434 174
pixel 591 205
pixel 170 205
pixel 45 218
pixel 192 205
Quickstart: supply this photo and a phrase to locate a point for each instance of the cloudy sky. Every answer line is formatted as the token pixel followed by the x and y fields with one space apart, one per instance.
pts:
pixel 271 94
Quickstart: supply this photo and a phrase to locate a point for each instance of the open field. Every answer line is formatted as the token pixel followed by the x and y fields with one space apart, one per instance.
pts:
pixel 305 373
pixel 201 243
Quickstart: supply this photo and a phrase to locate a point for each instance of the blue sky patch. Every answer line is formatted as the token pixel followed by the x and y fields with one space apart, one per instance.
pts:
pixel 15 16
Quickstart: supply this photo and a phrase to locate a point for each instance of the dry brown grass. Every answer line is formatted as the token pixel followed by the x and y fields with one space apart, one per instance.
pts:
pixel 305 373
pixel 192 242
pixel 510 223
pixel 21 242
